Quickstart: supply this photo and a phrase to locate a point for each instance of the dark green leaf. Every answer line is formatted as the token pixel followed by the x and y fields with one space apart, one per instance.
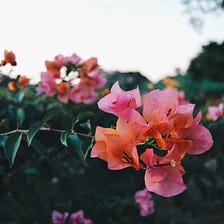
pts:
pixel 12 144
pixel 20 116
pixel 89 148
pixel 4 123
pixel 86 125
pixel 2 141
pixel 81 116
pixel 76 143
pixel 33 131
pixel 64 138
pixel 52 114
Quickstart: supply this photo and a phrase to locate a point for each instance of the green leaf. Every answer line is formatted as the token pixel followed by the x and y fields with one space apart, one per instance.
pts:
pixel 2 141
pixel 64 138
pixel 86 125
pixel 12 144
pixel 52 114
pixel 33 131
pixel 76 143
pixel 81 117
pixel 4 123
pixel 89 148
pixel 20 116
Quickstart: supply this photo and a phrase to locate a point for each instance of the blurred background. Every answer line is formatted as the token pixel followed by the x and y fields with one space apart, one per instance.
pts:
pixel 151 37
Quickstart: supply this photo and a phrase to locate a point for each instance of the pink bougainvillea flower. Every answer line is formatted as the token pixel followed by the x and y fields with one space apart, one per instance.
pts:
pixel 117 150
pixel 215 112
pixel 47 84
pixel 118 100
pixel 144 200
pixel 58 217
pixel 82 93
pixel 163 175
pixel 9 58
pixel 158 103
pixel 74 59
pixel 63 92
pixel 78 218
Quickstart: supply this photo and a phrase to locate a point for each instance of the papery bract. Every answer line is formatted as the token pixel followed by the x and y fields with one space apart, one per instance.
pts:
pixel 115 149
pixel 63 92
pixel 89 66
pixel 145 202
pixel 58 217
pixel 118 100
pixel 158 103
pixel 9 58
pixel 24 81
pixel 82 93
pixel 199 135
pixel 47 84
pixel 215 112
pixel 78 218
pixel 163 174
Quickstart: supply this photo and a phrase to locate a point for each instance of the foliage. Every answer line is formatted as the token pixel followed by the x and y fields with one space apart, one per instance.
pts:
pixel 48 168
pixel 209 63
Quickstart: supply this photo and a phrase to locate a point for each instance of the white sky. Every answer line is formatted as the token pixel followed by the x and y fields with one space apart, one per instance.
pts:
pixel 153 37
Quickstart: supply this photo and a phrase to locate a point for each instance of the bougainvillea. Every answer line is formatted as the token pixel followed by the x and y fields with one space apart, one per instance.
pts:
pixel 71 78
pixel 145 202
pixel 74 218
pixel 167 129
pixel 153 134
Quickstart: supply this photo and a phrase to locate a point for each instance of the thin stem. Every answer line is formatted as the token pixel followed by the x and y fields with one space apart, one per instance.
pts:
pixel 44 129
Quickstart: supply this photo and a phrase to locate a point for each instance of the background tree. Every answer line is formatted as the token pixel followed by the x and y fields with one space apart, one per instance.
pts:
pixel 197 9
pixel 209 63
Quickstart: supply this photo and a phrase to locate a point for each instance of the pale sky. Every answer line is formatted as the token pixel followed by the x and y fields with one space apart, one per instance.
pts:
pixel 152 37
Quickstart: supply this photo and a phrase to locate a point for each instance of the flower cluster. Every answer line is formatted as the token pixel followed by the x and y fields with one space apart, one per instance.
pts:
pixel 153 133
pixel 74 218
pixel 21 82
pixel 70 78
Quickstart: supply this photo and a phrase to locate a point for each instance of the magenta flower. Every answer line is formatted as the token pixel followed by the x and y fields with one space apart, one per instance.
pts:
pixel 47 84
pixel 163 175
pixel 215 112
pixel 78 218
pixel 58 217
pixel 82 93
pixel 119 100
pixel 144 200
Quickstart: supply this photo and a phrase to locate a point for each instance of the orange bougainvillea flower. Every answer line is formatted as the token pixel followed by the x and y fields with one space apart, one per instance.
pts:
pixel 114 149
pixel 170 83
pixel 89 66
pixel 63 91
pixel 12 86
pixel 9 57
pixel 53 66
pixel 24 81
